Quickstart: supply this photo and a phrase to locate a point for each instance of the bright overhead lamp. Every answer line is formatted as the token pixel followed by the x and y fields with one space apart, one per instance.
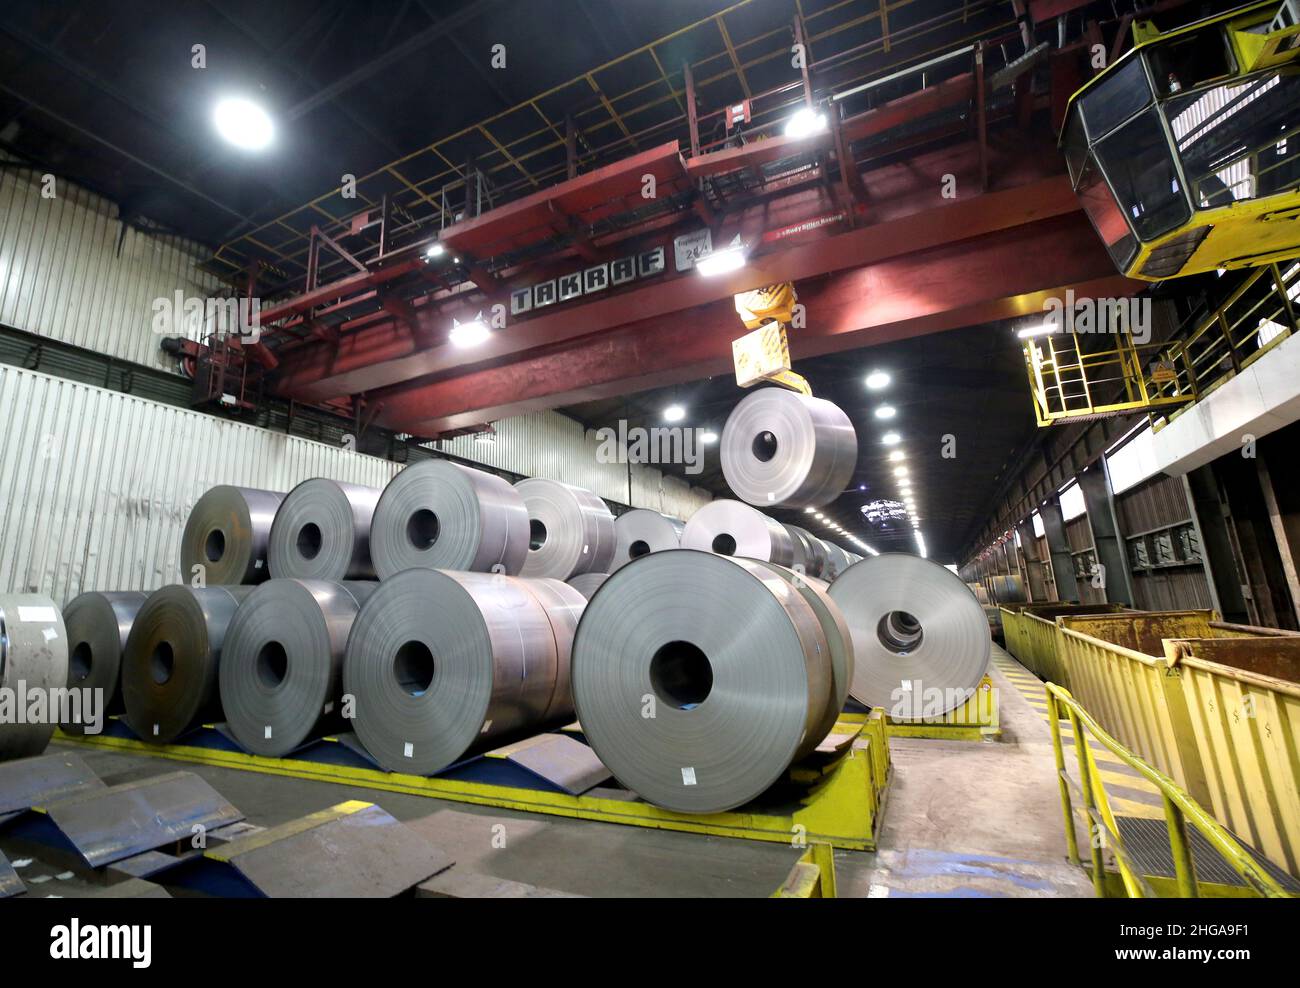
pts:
pixel 485 437
pixel 877 380
pixel 891 439
pixel 1043 329
pixel 243 123
pixel 730 258
pixel 900 471
pixel 708 437
pixel 472 333
pixel 886 412
pixel 805 123
pixel 674 413
pixel 809 511
pixel 435 250
pixel 896 456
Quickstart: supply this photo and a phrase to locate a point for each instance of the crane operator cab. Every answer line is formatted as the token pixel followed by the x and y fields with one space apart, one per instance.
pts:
pixel 1185 153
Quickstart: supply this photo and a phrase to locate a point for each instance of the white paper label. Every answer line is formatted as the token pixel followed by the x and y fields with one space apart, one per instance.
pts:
pixel 329 707
pixel 155 730
pixel 257 565
pixel 267 732
pixel 408 750
pixel 584 550
pixel 487 725
pixel 906 684
pixel 37 615
pixel 688 776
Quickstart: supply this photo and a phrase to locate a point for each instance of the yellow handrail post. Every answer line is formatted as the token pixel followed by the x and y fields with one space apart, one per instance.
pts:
pixel 1071 837
pixel 1090 806
pixel 1184 865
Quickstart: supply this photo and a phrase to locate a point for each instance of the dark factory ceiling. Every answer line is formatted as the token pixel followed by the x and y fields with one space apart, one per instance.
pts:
pixel 968 384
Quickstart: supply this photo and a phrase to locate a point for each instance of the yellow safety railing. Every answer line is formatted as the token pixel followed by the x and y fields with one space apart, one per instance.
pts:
pixel 812 877
pixel 1257 316
pixel 1179 808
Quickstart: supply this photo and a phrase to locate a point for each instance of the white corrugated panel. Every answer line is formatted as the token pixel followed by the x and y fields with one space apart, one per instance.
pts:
pixel 61 274
pixel 95 486
pixel 554 446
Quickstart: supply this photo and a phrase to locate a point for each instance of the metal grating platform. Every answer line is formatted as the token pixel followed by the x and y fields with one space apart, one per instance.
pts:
pixel 1148 843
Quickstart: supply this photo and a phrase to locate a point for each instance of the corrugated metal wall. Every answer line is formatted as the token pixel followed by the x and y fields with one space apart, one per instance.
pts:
pixel 61 274
pixel 1152 505
pixel 95 486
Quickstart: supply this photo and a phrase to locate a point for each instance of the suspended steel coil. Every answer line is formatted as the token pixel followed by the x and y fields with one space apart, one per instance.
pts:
pixel 322 532
pixel 172 657
pixel 698 680
pixel 730 528
pixel 571 530
pixel 281 672
pixel 781 447
pixel 98 625
pixel 920 638
pixel 33 661
pixel 436 514
pixel 442 664
pixel 227 534
pixel 641 531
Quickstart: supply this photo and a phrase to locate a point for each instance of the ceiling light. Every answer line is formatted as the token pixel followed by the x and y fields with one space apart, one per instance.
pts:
pixel 243 123
pixel 900 471
pixel 435 250
pixel 809 511
pixel 805 123
pixel 877 380
pixel 485 437
pixel 674 413
pixel 469 333
pixel 730 258
pixel 896 455
pixel 891 439
pixel 708 437
pixel 819 516
pixel 886 412
pixel 1042 329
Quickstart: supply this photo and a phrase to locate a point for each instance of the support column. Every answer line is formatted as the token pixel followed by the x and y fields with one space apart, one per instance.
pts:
pixel 1034 569
pixel 1210 515
pixel 1107 541
pixel 1276 473
pixel 1067 588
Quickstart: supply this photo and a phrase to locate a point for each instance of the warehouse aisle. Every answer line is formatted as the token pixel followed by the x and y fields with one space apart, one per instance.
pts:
pixel 969 819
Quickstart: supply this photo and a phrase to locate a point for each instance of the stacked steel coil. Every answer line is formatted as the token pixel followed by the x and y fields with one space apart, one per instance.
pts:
pixel 98 626
pixel 322 532
pixel 730 528
pixel 33 661
pixel 920 638
pixel 642 531
pixel 440 515
pixel 227 534
pixel 281 672
pixel 814 550
pixel 699 680
pixel 171 660
pixel 588 583
pixel 571 531
pixel 782 448
pixel 443 664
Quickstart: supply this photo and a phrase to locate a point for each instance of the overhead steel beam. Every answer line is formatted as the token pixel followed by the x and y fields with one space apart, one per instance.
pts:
pixel 385 355
pixel 999 276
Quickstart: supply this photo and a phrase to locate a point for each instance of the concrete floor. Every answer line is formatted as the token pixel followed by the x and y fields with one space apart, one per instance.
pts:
pixel 962 819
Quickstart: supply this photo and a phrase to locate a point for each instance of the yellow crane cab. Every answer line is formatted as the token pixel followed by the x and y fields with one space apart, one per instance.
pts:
pixel 1185 153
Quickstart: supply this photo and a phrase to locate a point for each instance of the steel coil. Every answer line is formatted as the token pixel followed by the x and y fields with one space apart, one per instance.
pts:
pixel 281 672
pixel 571 530
pixel 730 528
pixel 642 531
pixel 698 680
pixel 33 660
pixel 227 534
pixel 322 532
pixel 564 605
pixel 98 625
pixel 781 447
pixel 798 551
pixel 920 638
pixel 814 551
pixel 837 561
pixel 1008 589
pixel 436 514
pixel 588 583
pixel 171 660
pixel 444 663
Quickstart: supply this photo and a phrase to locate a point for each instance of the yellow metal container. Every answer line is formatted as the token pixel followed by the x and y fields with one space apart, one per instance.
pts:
pixel 1116 667
pixel 1243 698
pixel 1030 633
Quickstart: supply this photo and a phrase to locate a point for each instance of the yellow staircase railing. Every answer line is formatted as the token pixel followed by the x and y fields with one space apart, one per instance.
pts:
pixel 1180 810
